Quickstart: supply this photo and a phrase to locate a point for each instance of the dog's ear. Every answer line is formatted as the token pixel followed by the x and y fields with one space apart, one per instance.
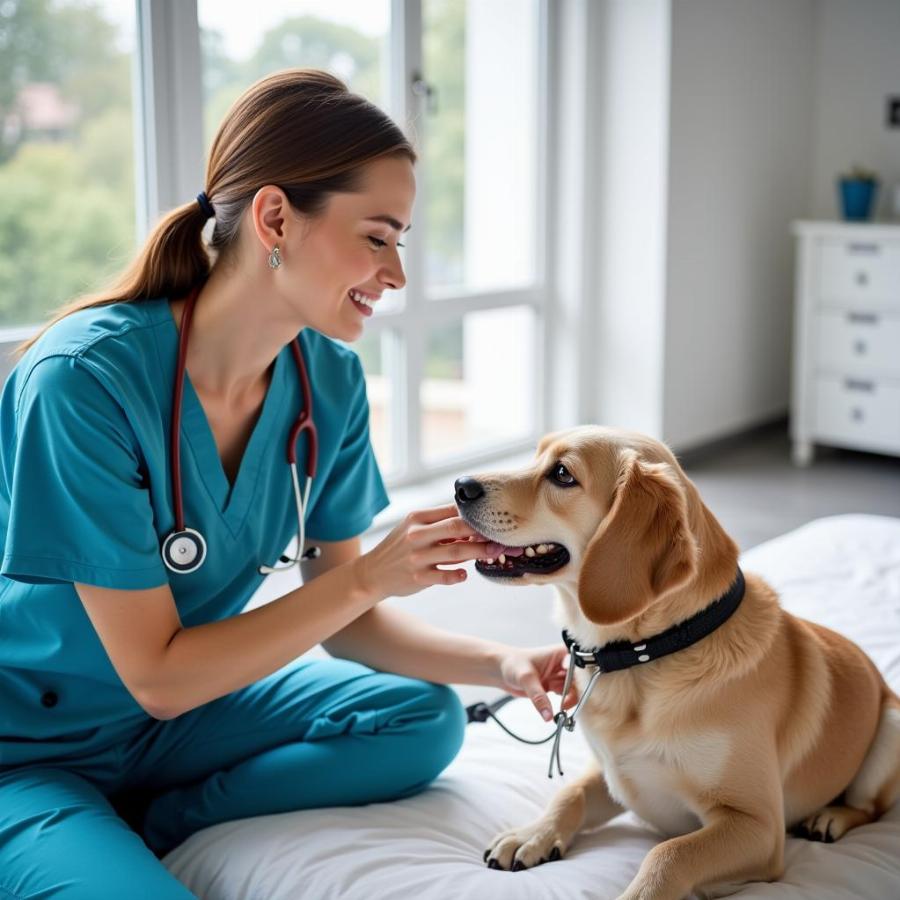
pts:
pixel 642 549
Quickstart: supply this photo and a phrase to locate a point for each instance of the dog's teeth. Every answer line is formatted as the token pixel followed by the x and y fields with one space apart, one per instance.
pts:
pixel 542 548
pixel 550 546
pixel 529 551
pixel 490 562
pixel 501 559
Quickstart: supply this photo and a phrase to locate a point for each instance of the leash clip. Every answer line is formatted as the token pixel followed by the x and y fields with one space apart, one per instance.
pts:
pixel 566 720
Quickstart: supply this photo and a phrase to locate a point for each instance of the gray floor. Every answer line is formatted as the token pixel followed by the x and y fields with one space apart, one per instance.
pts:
pixel 757 493
pixel 750 485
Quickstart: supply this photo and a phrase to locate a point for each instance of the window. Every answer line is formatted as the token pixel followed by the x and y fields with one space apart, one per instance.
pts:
pixel 480 144
pixel 67 188
pixel 479 388
pixel 454 361
pixel 480 164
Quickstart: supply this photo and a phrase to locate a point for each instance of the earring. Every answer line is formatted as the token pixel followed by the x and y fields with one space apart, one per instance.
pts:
pixel 274 258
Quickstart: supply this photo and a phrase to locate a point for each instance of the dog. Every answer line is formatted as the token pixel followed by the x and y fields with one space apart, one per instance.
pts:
pixel 768 723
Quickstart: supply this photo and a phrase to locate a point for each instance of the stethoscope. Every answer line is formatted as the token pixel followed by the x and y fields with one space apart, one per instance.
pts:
pixel 184 549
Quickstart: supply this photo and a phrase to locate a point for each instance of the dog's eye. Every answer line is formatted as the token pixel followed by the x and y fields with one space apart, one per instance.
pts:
pixel 561 475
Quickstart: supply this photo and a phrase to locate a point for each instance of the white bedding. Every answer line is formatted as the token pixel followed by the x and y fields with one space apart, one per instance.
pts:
pixel 842 571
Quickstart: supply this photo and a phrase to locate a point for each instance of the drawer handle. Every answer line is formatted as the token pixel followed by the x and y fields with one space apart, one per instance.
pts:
pixel 857 414
pixel 862 247
pixel 857 384
pixel 861 318
pixel 862 279
pixel 860 347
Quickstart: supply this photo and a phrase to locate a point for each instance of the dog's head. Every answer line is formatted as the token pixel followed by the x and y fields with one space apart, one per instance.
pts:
pixel 609 511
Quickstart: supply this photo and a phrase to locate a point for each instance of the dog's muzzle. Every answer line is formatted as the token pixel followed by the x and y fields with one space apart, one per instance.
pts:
pixel 511 562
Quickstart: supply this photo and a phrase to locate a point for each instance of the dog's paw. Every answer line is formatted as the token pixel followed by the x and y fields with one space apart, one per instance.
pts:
pixel 830 823
pixel 524 848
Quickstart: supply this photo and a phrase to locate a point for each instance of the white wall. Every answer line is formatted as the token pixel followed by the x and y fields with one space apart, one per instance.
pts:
pixel 741 114
pixel 857 67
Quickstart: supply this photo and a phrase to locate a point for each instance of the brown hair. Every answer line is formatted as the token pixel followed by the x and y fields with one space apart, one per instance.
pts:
pixel 300 129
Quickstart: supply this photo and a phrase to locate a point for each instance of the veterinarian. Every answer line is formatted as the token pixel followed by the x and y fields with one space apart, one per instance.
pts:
pixel 137 703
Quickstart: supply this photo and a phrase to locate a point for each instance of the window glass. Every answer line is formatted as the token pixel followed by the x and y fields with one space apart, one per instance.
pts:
pixel 67 198
pixel 479 388
pixel 373 349
pixel 480 146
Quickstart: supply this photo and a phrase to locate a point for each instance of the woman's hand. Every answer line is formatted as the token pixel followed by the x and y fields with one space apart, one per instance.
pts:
pixel 406 560
pixel 531 672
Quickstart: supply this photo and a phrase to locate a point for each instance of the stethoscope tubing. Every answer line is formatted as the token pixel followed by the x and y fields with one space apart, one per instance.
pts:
pixel 175 436
pixel 301 526
pixel 304 422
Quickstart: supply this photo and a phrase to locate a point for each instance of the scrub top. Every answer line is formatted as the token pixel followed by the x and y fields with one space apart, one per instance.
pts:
pixel 86 496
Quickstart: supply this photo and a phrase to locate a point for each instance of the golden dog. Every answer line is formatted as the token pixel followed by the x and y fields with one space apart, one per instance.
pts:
pixel 768 722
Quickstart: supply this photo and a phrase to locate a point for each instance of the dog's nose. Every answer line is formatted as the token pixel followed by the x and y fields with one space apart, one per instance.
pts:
pixel 467 489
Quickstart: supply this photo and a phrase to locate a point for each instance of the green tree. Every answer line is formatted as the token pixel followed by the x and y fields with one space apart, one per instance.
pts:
pixel 55 242
pixel 72 46
pixel 66 201
pixel 25 34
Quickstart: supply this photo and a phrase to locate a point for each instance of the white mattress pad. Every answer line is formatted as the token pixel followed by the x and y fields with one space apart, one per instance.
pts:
pixel 841 571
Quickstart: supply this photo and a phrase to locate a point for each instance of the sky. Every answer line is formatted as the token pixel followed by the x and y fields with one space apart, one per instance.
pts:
pixel 242 23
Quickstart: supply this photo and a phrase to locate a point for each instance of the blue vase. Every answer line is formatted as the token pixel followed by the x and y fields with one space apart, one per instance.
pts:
pixel 857 198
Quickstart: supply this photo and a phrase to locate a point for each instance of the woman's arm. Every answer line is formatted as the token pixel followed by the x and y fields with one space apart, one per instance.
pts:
pixel 392 640
pixel 170 669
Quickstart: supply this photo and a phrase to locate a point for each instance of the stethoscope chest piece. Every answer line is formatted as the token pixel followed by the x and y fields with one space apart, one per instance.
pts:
pixel 184 551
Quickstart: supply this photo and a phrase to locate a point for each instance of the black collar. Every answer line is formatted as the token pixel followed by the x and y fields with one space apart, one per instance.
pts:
pixel 625 654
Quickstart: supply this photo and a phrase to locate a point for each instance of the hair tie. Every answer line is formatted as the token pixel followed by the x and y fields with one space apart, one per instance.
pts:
pixel 205 205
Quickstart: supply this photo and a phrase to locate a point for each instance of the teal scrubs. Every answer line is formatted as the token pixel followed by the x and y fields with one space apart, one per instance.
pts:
pixel 86 496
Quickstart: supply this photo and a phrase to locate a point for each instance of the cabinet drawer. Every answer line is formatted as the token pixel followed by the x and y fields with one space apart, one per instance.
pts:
pixel 858 341
pixel 860 273
pixel 858 410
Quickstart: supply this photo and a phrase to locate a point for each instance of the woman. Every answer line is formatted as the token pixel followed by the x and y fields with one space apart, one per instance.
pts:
pixel 130 682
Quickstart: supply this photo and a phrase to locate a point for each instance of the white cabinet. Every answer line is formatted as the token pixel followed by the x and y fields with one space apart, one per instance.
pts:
pixel 846 376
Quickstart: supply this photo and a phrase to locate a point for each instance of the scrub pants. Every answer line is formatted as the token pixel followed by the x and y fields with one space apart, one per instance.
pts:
pixel 315 733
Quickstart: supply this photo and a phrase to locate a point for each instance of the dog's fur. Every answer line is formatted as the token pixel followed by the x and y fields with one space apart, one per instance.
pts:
pixel 770 722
